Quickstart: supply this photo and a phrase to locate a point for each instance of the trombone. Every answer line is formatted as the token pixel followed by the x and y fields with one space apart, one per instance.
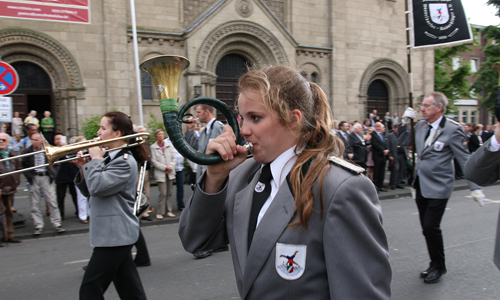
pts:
pixel 53 153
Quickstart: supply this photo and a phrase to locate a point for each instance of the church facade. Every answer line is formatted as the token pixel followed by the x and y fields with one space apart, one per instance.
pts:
pixel 356 50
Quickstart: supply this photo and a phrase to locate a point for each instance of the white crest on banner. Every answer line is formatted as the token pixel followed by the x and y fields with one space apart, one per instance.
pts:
pixel 290 260
pixel 439 13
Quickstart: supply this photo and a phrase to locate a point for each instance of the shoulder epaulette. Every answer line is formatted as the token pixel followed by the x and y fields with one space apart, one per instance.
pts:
pixel 346 165
pixel 125 156
pixel 453 122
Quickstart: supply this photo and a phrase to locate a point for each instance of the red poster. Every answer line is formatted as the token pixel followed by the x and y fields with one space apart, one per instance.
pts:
pixel 71 11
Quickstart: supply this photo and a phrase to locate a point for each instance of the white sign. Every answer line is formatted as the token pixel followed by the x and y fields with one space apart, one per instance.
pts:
pixel 6 109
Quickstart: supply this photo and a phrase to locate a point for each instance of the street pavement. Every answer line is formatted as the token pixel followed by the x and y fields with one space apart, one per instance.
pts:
pixel 49 267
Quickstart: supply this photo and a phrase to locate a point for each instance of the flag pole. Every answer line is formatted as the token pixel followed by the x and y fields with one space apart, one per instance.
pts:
pixel 136 62
pixel 409 48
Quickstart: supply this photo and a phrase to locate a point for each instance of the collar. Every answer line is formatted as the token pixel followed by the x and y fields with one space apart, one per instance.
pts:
pixel 437 123
pixel 112 154
pixel 209 126
pixel 283 164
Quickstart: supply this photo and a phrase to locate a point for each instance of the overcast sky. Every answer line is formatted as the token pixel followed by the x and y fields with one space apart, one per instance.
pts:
pixel 479 13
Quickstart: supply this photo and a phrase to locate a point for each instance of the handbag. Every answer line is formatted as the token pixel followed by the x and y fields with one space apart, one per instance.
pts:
pixel 141 200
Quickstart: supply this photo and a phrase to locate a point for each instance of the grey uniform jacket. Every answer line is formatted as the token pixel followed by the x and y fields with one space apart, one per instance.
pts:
pixel 346 254
pixel 111 190
pixel 203 141
pixel 483 168
pixel 435 167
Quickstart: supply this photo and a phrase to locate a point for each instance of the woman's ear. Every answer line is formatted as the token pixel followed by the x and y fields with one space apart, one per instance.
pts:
pixel 296 118
pixel 118 133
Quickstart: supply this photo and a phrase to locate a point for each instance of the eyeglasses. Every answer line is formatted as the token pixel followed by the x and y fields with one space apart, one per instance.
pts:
pixel 426 105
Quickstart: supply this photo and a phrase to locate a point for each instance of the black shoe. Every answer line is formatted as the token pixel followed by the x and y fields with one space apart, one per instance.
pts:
pixel 143 264
pixel 180 208
pixel 203 254
pixel 221 249
pixel 84 268
pixel 381 190
pixel 399 187
pixel 434 275
pixel 426 272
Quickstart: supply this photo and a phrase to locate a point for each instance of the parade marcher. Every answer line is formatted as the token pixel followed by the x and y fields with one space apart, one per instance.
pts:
pixel 41 179
pixel 8 186
pixel 66 173
pixel 48 127
pixel 483 168
pixel 437 140
pixel 191 136
pixel 163 161
pixel 295 199
pixel 147 183
pixel 212 130
pixel 109 182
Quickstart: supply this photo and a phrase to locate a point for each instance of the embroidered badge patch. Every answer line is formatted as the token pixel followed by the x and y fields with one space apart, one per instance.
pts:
pixel 290 260
pixel 438 146
pixel 259 187
pixel 465 143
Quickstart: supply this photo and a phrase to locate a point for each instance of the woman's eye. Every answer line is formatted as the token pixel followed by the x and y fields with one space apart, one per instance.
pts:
pixel 255 118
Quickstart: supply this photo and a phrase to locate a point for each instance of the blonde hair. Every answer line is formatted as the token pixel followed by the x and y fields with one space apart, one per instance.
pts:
pixel 284 89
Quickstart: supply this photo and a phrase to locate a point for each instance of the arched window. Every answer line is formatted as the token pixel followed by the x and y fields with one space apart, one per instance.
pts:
pixel 146 86
pixel 314 77
pixel 229 69
pixel 32 76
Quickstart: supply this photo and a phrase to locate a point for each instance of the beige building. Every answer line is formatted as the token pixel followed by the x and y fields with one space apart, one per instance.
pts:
pixel 356 50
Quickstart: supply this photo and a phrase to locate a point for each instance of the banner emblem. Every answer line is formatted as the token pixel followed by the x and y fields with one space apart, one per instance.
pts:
pixel 290 260
pixel 439 13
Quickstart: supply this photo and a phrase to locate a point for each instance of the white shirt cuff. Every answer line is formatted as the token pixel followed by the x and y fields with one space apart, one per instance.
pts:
pixel 494 145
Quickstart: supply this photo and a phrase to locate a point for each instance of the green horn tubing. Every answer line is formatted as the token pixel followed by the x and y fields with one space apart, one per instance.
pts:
pixel 173 120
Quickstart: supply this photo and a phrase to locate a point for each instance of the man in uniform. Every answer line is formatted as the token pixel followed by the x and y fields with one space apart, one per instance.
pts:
pixel 437 140
pixel 212 130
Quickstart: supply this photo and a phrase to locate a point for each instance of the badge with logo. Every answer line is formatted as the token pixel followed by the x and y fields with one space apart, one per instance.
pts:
pixel 259 187
pixel 438 146
pixel 439 13
pixel 290 260
pixel 465 143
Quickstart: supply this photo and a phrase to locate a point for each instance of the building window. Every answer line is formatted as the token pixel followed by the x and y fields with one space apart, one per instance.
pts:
pixel 474 65
pixel 456 63
pixel 146 87
pixel 473 117
pixel 465 116
pixel 314 77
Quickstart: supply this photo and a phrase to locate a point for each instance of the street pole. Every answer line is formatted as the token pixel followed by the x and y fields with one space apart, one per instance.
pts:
pixel 409 28
pixel 136 61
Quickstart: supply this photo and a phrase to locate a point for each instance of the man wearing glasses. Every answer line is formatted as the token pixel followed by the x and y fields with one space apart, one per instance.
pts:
pixel 8 185
pixel 437 141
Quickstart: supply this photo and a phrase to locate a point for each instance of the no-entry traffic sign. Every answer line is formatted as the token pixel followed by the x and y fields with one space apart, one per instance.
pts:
pixel 9 80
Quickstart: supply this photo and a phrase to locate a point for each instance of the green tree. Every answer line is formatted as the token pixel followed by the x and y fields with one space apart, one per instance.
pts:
pixel 486 84
pixel 153 125
pixel 453 83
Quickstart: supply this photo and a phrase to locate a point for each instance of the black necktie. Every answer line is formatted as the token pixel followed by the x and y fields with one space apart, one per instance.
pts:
pixel 260 194
pixel 428 132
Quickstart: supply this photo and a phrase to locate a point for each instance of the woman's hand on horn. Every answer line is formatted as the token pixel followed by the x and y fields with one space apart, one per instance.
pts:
pixel 231 153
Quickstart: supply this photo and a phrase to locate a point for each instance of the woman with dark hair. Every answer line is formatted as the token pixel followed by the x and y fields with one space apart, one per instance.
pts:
pixel 109 180
pixel 301 221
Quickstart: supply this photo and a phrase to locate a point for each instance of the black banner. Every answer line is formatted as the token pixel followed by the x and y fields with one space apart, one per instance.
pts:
pixel 439 22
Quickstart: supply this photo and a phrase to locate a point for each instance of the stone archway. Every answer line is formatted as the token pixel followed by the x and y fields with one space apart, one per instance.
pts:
pixel 395 78
pixel 247 39
pixel 21 44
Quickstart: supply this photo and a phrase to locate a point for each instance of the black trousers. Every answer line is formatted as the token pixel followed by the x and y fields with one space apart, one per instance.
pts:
pixel 142 254
pixel 379 172
pixel 431 213
pixel 111 264
pixel 61 194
